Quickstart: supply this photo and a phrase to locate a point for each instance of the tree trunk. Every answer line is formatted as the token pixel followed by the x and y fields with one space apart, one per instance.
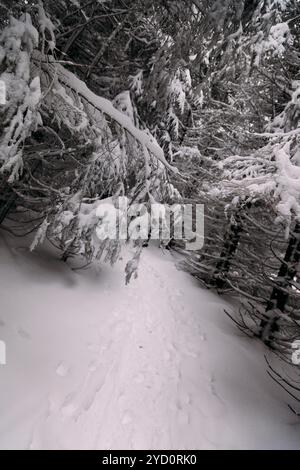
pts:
pixel 279 296
pixel 6 207
pixel 232 238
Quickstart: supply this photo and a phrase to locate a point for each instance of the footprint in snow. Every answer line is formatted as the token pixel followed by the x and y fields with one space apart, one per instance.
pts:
pixel 93 347
pixel 167 355
pixel 139 378
pixel 186 399
pixel 127 418
pixel 68 406
pixel 93 366
pixel 23 333
pixel 69 409
pixel 191 353
pixel 62 369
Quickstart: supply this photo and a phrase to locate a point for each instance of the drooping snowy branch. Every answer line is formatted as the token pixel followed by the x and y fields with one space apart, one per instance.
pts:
pixel 106 107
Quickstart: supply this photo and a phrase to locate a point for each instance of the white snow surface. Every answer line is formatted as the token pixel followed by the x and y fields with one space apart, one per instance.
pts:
pixel 95 364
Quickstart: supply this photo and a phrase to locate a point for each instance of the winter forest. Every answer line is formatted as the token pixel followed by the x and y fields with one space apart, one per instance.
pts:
pixel 149 224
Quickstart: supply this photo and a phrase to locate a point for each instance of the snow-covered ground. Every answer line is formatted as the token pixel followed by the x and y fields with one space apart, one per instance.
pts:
pixel 95 364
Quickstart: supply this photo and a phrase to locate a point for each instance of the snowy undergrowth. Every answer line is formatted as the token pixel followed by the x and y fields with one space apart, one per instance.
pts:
pixel 95 364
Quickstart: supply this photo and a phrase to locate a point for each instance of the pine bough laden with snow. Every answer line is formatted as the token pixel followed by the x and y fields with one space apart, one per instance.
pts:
pixel 64 150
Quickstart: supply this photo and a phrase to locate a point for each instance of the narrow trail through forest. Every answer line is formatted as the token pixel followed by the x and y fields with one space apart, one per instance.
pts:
pixel 95 364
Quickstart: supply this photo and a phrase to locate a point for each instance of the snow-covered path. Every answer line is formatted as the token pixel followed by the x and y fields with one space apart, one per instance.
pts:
pixel 95 364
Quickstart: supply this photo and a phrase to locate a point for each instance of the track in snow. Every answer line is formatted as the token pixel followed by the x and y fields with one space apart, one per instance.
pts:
pixel 154 365
pixel 135 383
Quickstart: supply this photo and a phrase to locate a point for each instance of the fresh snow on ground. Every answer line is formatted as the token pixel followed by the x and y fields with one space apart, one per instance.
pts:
pixel 95 364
